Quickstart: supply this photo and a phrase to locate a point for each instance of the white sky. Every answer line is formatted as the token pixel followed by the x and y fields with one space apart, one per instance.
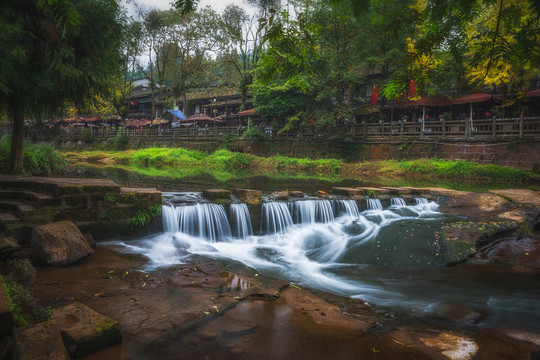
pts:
pixel 218 5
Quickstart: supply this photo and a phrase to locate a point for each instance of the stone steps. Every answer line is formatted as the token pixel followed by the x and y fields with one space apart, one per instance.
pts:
pixel 34 197
pixel 9 218
pixel 21 208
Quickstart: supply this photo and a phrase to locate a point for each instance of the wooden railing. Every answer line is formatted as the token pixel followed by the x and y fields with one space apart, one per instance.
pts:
pixel 480 129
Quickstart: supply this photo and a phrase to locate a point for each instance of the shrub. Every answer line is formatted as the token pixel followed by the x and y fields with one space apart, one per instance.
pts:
pixel 38 160
pixel 120 141
pixel 254 135
pixel 87 136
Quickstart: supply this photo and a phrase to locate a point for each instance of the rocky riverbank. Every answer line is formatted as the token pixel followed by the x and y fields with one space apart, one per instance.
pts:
pixel 221 310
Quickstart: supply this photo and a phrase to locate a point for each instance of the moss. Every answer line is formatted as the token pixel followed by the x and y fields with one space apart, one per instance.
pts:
pixel 105 334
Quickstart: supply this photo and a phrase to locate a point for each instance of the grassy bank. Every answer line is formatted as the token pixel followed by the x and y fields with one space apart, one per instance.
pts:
pixel 179 160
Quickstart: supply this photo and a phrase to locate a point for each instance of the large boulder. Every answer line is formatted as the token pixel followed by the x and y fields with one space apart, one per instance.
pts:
pixel 59 243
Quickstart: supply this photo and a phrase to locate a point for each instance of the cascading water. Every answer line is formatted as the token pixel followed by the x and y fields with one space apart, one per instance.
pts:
pixel 397 202
pixel 370 255
pixel 374 204
pixel 208 221
pixel 347 207
pixel 275 218
pixel 240 221
pixel 170 218
pixel 311 211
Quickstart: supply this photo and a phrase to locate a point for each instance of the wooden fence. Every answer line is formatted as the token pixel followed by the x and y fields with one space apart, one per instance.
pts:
pixel 479 129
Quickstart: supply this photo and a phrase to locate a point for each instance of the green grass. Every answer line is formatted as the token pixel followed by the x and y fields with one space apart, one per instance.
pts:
pixel 464 169
pixel 225 165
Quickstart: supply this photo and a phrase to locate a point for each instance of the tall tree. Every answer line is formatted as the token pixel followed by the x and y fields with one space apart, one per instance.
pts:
pixel 195 37
pixel 52 52
pixel 243 42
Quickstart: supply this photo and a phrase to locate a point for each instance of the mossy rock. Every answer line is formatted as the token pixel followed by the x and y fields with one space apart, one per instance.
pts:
pixel 84 330
pixel 464 238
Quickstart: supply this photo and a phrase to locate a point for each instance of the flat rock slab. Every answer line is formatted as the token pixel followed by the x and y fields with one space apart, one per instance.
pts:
pixel 322 312
pixel 379 191
pixel 296 194
pixel 248 195
pixel 215 194
pixel 39 342
pixel 280 195
pixel 520 196
pixel 85 330
pixel 59 186
pixel 441 346
pixel 6 316
pixel 346 191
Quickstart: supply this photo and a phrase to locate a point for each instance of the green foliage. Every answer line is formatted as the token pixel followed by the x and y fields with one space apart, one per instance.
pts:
pixel 38 160
pixel 143 218
pixel 464 169
pixel 21 271
pixel 254 135
pixel 18 284
pixel 121 140
pixel 228 159
pixel 227 140
pixel 87 136
pixel 318 166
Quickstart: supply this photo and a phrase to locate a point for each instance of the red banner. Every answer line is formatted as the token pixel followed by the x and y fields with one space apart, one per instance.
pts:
pixel 412 89
pixel 374 95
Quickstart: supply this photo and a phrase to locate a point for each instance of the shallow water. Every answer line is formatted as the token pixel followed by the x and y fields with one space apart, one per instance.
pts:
pixel 389 257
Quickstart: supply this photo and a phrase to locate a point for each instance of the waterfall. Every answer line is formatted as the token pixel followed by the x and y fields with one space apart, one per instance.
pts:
pixel 374 204
pixel 170 218
pixel 347 207
pixel 240 221
pixel 423 204
pixel 208 221
pixel 275 218
pixel 397 202
pixel 311 211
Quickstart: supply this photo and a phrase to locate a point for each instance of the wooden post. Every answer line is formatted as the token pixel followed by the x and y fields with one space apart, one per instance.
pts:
pixel 521 118
pixel 471 119
pixel 423 121
pixel 443 126
pixel 401 125
pixel 365 129
pixel 493 126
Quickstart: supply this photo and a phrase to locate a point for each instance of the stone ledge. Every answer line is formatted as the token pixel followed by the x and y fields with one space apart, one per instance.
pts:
pixel 84 330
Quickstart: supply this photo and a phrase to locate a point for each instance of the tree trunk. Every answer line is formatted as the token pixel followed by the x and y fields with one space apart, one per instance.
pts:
pixel 185 104
pixel 16 157
pixel 244 99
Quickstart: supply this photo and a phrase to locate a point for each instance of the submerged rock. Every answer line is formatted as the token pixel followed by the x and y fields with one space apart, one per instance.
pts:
pixel 59 243
pixel 86 331
pixel 441 346
pixel 460 314
pixel 41 341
